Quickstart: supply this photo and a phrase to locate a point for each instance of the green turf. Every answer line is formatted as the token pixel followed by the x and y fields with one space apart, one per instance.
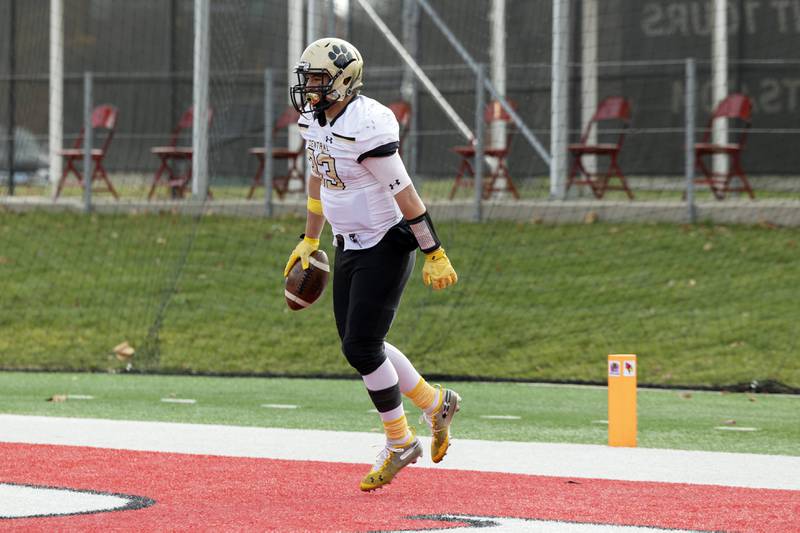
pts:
pixel 667 419
pixel 701 305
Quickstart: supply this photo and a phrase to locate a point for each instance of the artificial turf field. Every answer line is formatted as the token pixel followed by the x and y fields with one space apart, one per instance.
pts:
pixel 253 454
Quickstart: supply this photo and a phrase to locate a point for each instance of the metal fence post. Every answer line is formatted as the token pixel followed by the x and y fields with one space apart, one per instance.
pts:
pixel 268 113
pixel 691 82
pixel 455 43
pixel 87 141
pixel 480 103
pixel 409 89
pixel 200 81
pixel 559 100
pixel 12 104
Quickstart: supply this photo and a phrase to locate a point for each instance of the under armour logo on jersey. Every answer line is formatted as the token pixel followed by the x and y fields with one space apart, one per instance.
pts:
pixel 329 140
pixel 391 185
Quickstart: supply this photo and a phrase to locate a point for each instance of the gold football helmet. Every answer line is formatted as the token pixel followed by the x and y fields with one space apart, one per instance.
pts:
pixel 341 68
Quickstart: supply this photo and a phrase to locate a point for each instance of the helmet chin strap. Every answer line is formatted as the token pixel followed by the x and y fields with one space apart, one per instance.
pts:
pixel 319 114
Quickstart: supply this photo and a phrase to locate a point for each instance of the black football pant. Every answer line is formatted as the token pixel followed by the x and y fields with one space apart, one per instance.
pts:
pixel 367 286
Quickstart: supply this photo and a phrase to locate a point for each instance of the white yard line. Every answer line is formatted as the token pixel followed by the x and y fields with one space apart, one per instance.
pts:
pixel 563 460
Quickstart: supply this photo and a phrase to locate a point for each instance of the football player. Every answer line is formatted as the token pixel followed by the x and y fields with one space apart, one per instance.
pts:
pixel 360 186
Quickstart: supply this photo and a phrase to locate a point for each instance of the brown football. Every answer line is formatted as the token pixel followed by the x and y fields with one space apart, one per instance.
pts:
pixel 304 287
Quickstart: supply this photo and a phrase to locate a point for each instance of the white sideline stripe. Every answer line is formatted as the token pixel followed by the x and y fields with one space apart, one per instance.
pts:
pixel 178 400
pixel 501 417
pixel 734 428
pixel 80 397
pixel 544 459
pixel 318 264
pixel 279 406
pixel 295 299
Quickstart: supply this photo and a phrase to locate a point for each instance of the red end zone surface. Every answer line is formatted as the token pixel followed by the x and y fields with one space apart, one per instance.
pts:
pixel 194 492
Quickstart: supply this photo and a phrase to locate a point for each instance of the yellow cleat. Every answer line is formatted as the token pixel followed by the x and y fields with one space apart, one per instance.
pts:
pixel 390 461
pixel 439 422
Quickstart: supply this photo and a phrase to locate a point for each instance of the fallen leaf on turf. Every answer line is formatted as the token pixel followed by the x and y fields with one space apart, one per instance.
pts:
pixel 590 218
pixel 730 422
pixel 124 351
pixel 685 395
pixel 58 398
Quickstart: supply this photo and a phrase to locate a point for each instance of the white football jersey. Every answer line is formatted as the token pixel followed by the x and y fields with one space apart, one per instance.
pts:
pixel 358 205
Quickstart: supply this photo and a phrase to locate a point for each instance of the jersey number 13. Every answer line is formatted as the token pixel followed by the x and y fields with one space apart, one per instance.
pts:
pixel 324 165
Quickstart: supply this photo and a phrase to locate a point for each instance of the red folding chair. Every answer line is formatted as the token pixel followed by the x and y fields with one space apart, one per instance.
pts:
pixel 104 122
pixel 613 109
pixel 734 108
pixel 280 184
pixel 499 179
pixel 402 112
pixel 173 157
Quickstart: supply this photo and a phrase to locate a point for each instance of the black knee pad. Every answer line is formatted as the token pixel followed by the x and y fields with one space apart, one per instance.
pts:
pixel 364 355
pixel 387 399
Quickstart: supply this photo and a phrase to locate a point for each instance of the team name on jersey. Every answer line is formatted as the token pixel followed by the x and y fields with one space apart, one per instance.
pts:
pixel 317 146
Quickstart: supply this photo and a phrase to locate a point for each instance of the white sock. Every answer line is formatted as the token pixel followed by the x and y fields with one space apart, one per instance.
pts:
pixel 383 377
pixel 406 373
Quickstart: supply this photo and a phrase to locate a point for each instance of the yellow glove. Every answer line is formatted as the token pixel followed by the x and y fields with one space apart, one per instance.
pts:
pixel 437 270
pixel 302 251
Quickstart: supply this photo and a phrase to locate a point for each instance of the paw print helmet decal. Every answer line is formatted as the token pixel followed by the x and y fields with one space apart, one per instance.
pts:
pixel 340 66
